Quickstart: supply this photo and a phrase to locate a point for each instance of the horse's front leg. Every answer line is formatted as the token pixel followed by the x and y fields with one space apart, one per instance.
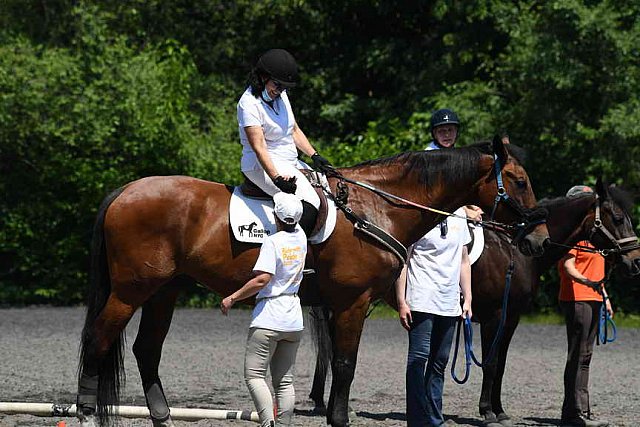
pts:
pixel 347 324
pixel 503 348
pixel 157 313
pixel 488 329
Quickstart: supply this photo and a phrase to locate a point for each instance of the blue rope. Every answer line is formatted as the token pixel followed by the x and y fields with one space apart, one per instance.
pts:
pixel 468 335
pixel 604 320
pixel 468 338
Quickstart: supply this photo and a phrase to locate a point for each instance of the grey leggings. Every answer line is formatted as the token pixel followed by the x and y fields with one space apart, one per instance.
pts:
pixel 276 351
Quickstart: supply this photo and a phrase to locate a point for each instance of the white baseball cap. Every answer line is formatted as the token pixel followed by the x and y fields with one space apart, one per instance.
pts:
pixel 287 207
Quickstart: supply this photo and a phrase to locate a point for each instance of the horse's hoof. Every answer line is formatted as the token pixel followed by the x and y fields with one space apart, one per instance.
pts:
pixel 319 410
pixel 166 423
pixel 87 421
pixel 505 420
pixel 490 420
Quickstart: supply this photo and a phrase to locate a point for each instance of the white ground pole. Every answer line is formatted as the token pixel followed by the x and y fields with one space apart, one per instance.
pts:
pixel 66 410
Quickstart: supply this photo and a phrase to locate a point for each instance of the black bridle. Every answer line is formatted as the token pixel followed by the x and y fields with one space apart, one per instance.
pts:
pixel 529 218
pixel 619 246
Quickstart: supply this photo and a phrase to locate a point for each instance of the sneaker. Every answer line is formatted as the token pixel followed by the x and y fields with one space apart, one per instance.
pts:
pixel 582 420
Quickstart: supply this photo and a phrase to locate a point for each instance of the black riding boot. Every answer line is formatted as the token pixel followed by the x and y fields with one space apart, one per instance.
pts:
pixel 308 219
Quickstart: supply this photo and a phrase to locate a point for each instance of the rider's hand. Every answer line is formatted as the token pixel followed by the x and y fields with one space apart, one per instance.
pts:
pixel 320 163
pixel 287 185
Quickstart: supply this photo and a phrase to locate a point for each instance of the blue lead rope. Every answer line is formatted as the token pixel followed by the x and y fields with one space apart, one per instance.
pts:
pixel 468 350
pixel 468 335
pixel 604 322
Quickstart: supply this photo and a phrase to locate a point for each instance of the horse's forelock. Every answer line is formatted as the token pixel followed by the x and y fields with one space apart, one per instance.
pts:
pixel 622 199
pixel 515 151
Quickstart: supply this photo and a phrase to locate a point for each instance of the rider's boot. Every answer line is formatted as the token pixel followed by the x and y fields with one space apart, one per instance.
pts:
pixel 308 219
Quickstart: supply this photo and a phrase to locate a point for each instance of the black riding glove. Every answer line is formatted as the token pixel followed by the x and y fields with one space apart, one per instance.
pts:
pixel 320 163
pixel 286 185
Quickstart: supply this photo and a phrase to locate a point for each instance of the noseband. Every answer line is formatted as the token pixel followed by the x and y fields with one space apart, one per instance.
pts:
pixel 626 244
pixel 528 218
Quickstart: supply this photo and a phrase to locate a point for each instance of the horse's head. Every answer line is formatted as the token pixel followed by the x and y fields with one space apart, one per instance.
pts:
pixel 610 228
pixel 506 192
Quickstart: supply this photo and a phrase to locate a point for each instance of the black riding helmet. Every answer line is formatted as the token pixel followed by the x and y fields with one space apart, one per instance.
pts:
pixel 443 117
pixel 279 65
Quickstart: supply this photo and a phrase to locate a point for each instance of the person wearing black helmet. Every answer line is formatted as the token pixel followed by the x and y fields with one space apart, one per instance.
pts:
pixel 444 125
pixel 270 136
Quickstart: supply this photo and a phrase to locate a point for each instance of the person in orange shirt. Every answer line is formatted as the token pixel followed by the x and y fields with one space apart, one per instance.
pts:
pixel 581 277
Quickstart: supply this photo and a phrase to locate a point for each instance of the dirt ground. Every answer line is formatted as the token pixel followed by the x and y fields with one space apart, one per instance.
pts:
pixel 203 358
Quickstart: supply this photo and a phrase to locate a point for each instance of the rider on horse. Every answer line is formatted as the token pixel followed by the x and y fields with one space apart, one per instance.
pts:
pixel 270 136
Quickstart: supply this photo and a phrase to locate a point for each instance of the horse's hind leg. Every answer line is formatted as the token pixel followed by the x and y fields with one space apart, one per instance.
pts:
pixel 320 318
pixel 157 313
pixel 102 365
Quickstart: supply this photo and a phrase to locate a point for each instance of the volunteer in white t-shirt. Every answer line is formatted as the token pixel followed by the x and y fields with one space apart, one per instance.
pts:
pixel 428 292
pixel 270 136
pixel 276 324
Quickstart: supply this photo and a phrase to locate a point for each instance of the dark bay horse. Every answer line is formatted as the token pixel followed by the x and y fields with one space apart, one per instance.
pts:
pixel 569 220
pixel 156 235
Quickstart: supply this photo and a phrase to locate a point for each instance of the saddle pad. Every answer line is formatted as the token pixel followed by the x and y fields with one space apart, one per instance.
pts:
pixel 477 242
pixel 251 220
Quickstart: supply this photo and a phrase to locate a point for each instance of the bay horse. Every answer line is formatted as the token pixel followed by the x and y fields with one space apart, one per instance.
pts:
pixel 156 235
pixel 602 217
pixel 570 220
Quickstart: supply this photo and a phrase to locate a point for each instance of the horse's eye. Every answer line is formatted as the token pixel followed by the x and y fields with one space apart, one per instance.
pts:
pixel 521 183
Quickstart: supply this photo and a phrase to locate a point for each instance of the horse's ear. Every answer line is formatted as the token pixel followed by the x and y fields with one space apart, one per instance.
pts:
pixel 602 188
pixel 500 150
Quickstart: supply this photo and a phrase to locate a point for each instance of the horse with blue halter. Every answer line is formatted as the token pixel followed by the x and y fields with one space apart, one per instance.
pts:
pixel 155 236
pixel 499 300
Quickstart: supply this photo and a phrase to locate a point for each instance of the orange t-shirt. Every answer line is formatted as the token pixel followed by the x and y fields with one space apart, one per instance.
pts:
pixel 591 265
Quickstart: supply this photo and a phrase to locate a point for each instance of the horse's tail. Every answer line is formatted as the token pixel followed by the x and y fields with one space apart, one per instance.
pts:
pixel 110 368
pixel 321 336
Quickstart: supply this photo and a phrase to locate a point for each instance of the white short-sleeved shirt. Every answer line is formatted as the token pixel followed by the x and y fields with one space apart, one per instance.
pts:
pixel 278 306
pixel 277 125
pixel 433 270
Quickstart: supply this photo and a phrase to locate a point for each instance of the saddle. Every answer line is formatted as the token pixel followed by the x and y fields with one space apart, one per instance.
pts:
pixel 249 189
pixel 251 212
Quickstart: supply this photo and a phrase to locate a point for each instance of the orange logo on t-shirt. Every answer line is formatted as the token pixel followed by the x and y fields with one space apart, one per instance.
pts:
pixel 291 255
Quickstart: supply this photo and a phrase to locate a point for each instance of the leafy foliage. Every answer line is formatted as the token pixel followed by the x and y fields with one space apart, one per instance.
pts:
pixel 96 94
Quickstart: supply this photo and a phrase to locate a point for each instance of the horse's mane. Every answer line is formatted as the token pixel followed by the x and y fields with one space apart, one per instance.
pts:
pixel 446 165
